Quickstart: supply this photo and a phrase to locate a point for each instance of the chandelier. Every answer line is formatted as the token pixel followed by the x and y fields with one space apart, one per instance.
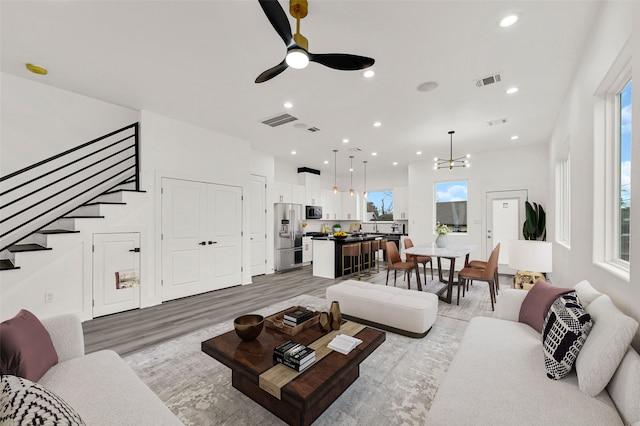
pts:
pixel 451 162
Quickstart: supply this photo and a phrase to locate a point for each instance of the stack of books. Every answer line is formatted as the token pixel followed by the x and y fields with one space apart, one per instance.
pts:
pixel 297 316
pixel 294 355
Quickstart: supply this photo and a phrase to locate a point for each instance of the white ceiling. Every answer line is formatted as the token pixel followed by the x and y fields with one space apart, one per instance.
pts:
pixel 196 61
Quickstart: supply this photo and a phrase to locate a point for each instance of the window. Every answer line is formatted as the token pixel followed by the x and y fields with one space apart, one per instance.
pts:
pixel 379 206
pixel 451 205
pixel 624 171
pixel 563 201
pixel 612 167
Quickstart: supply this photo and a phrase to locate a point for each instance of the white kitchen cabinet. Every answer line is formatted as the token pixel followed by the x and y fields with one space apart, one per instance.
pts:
pixel 350 206
pixel 287 193
pixel 307 250
pixel 331 205
pixel 312 188
pixel 401 203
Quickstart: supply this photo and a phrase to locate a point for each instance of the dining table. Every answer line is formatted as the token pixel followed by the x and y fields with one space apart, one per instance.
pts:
pixel 451 252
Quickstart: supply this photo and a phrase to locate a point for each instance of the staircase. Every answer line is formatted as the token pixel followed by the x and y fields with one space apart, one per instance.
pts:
pixel 51 196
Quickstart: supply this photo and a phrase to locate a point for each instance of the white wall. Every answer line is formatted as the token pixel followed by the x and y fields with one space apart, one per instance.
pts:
pixel 39 121
pixel 518 168
pixel 576 125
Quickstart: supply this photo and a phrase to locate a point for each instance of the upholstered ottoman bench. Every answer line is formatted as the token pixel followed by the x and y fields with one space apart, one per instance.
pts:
pixel 407 312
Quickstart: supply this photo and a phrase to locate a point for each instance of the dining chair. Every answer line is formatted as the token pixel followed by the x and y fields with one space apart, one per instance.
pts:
pixel 481 264
pixel 423 260
pixel 395 264
pixel 488 274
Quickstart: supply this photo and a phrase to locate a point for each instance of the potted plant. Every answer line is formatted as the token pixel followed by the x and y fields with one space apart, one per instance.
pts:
pixel 337 228
pixel 534 227
pixel 441 239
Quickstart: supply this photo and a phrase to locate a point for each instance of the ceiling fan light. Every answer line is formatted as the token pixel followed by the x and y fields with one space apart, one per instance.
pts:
pixel 297 58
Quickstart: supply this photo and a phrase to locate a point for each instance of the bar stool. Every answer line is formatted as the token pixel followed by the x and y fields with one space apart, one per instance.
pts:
pixel 365 253
pixel 375 247
pixel 351 251
pixel 383 247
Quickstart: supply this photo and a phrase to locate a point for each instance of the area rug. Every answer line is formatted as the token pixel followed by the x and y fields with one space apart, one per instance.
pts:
pixel 396 385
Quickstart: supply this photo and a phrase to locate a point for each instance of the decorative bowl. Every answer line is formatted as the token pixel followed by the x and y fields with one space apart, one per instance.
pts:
pixel 248 327
pixel 340 235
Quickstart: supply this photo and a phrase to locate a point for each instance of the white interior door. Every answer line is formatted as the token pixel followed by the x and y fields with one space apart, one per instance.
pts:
pixel 505 216
pixel 184 256
pixel 258 225
pixel 224 238
pixel 116 273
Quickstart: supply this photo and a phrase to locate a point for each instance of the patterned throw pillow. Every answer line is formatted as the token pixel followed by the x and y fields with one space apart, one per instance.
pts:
pixel 565 330
pixel 23 402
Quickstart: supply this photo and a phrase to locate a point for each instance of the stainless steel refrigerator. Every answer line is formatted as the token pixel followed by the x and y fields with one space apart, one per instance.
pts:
pixel 288 235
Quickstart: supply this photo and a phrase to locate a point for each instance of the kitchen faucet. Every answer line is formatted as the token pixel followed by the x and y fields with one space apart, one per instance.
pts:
pixel 375 223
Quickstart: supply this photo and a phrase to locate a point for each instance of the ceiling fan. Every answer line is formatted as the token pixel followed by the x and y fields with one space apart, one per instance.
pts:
pixel 298 55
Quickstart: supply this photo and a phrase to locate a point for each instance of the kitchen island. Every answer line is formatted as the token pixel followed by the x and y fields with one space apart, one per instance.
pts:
pixel 327 253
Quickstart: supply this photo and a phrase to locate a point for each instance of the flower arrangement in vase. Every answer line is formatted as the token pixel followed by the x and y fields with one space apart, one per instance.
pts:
pixel 441 239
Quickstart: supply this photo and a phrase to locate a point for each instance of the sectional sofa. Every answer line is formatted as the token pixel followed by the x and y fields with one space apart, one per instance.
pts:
pixel 498 376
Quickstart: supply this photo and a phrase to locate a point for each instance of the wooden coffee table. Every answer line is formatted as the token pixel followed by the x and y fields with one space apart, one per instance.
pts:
pixel 305 397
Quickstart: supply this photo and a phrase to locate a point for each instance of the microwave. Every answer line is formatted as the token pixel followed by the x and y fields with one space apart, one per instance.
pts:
pixel 313 212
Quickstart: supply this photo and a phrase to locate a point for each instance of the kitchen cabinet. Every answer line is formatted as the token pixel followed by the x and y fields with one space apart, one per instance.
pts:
pixel 312 188
pixel 307 250
pixel 350 206
pixel 331 205
pixel 288 193
pixel 401 203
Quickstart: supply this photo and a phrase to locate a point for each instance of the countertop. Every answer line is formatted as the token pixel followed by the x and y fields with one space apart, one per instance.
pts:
pixel 362 237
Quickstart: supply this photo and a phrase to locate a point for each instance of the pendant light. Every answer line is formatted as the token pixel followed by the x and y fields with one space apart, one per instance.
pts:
pixel 364 194
pixel 351 191
pixel 335 165
pixel 451 162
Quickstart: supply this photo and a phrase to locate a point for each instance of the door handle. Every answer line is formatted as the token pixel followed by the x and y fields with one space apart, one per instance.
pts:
pixel 135 250
pixel 212 242
pixel 203 243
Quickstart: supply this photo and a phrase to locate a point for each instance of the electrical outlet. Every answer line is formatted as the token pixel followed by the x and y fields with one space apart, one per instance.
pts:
pixel 48 297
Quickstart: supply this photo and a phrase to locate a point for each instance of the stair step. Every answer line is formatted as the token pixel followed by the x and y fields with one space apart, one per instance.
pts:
pixel 57 231
pixel 95 203
pixel 6 264
pixel 82 217
pixel 17 248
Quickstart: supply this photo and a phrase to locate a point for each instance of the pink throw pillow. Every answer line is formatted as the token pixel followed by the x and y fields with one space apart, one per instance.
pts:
pixel 536 304
pixel 26 349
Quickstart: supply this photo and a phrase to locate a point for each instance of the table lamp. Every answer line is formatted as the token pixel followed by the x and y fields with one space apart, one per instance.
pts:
pixel 531 259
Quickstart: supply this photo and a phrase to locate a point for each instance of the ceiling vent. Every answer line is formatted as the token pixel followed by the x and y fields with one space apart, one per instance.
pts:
pixel 498 121
pixel 313 129
pixel 490 79
pixel 279 120
pixel 355 149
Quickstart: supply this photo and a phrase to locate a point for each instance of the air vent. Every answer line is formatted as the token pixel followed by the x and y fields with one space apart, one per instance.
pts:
pixel 490 79
pixel 498 121
pixel 313 129
pixel 355 149
pixel 279 120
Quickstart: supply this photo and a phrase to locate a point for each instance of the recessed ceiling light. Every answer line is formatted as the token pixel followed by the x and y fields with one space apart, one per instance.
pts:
pixel 345 140
pixel 374 154
pixel 288 105
pixel 514 137
pixel 395 163
pixel 512 90
pixel 427 86
pixel 419 153
pixel 36 69
pixel 368 73
pixel 508 20
pixel 293 153
pixel 377 124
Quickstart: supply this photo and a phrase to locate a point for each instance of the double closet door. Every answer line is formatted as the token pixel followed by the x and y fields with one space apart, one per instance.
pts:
pixel 201 237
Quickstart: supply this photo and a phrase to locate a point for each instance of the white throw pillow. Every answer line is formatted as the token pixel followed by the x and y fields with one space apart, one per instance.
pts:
pixel 624 387
pixel 586 293
pixel 607 344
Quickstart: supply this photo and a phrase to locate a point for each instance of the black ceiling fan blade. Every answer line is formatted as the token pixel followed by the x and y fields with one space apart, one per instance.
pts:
pixel 272 72
pixel 342 61
pixel 278 19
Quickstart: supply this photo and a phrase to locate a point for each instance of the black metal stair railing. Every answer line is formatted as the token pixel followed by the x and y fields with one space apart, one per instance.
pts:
pixel 37 195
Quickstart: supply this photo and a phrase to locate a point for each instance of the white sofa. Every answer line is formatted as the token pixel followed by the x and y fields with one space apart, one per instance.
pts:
pixel 498 377
pixel 100 386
